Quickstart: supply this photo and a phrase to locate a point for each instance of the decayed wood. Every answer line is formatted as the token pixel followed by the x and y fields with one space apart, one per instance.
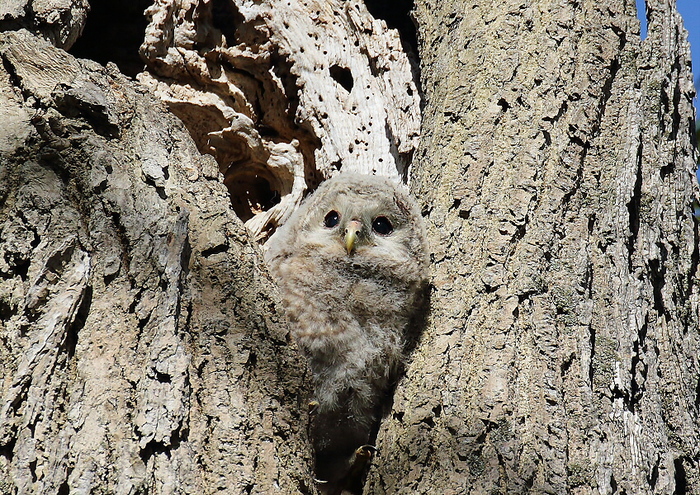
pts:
pixel 557 172
pixel 284 94
pixel 141 350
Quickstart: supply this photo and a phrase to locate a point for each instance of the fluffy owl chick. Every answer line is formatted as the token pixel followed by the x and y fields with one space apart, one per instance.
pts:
pixel 351 267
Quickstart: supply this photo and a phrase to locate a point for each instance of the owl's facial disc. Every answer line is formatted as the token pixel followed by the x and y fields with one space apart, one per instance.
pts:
pixel 351 231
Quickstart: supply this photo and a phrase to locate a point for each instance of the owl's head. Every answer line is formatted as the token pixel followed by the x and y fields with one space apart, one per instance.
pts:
pixel 356 220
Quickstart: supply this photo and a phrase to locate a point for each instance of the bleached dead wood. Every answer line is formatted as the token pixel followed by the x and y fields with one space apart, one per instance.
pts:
pixel 284 94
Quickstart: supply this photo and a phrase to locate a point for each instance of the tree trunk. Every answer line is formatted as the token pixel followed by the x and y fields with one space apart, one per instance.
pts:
pixel 142 349
pixel 556 169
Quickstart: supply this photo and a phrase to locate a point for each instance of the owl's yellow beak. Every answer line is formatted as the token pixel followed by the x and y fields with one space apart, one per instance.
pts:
pixel 354 226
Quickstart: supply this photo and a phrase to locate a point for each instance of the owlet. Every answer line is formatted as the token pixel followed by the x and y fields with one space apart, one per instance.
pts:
pixel 351 266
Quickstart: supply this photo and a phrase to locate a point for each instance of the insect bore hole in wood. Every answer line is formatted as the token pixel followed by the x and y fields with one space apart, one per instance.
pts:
pixel 343 76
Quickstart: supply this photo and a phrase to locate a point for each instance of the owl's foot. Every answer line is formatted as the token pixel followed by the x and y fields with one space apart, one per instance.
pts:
pixel 359 461
pixel 355 469
pixel 313 406
pixel 363 453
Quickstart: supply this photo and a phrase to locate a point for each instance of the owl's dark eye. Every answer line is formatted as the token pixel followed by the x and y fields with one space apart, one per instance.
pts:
pixel 332 218
pixel 382 226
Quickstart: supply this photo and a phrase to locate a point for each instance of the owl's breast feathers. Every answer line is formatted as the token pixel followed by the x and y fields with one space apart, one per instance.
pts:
pixel 346 300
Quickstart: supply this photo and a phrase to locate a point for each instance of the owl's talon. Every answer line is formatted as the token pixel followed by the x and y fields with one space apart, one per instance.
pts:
pixel 367 450
pixel 313 406
pixel 320 482
pixel 363 455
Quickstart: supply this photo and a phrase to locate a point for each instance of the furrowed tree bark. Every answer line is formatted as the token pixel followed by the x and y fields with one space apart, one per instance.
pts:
pixel 142 351
pixel 556 169
pixel 141 348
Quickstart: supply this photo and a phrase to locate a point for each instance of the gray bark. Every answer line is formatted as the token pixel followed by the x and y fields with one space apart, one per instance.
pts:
pixel 557 171
pixel 142 351
pixel 141 348
pixel 59 21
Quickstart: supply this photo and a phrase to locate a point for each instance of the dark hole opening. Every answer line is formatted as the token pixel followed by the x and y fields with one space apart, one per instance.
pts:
pixel 342 76
pixel 250 195
pixel 225 17
pixel 113 32
pixel 680 477
pixel 397 15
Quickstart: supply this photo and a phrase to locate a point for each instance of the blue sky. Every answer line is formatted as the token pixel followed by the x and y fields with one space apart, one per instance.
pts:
pixel 690 10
